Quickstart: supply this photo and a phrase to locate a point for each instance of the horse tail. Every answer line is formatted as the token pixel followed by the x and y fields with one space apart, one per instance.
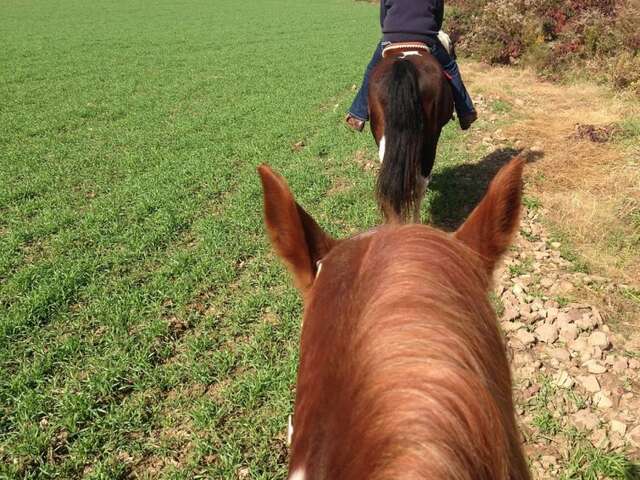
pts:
pixel 397 188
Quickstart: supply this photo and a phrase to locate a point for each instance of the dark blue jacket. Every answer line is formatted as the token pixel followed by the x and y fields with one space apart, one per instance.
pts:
pixel 410 20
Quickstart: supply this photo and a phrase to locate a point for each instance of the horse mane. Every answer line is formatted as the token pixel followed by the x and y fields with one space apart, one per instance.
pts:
pixel 423 387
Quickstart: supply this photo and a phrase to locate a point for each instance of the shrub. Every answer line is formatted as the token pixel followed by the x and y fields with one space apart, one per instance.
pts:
pixel 601 36
pixel 625 71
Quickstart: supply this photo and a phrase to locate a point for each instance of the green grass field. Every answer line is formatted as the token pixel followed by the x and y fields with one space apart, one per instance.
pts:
pixel 145 328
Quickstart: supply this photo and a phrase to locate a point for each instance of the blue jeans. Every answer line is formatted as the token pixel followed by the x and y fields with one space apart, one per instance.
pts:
pixel 461 98
pixel 360 106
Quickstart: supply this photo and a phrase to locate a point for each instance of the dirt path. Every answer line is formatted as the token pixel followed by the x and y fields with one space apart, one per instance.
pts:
pixel 572 334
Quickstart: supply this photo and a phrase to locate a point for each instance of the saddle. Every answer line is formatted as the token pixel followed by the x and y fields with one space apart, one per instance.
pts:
pixel 405 49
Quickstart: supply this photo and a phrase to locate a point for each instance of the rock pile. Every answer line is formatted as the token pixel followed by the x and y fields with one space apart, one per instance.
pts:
pixel 575 384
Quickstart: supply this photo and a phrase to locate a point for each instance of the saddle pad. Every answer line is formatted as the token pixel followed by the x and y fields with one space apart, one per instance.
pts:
pixel 411 48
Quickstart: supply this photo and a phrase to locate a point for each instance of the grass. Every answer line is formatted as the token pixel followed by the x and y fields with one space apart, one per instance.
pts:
pixel 531 203
pixel 629 131
pixel 569 253
pixel 544 420
pixel 529 236
pixel 546 423
pixel 632 294
pixel 584 460
pixel 523 267
pixel 497 304
pixel 587 462
pixel 501 106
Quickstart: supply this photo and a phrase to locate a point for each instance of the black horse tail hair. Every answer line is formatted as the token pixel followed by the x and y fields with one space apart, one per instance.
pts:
pixel 397 186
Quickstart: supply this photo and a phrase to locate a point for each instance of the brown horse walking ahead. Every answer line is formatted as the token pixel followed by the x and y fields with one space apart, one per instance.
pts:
pixel 403 372
pixel 410 101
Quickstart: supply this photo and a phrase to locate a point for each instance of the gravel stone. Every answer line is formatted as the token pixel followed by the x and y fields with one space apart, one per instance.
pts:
pixel 560 354
pixel 512 326
pixel 525 337
pixel 634 436
pixel 551 304
pixel 579 346
pixel 563 380
pixel 587 322
pixel 548 461
pixel 586 419
pixel 620 365
pixel 537 305
pixel 597 353
pixel 595 367
pixel 546 282
pixel 562 288
pixel 510 314
pixel 547 333
pixel 599 339
pixel 552 312
pixel 590 383
pixel 600 439
pixel 569 333
pixel 602 401
pixel 618 427
pixel 518 290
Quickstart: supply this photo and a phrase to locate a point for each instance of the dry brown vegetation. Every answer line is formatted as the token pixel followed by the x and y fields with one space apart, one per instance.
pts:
pixel 590 190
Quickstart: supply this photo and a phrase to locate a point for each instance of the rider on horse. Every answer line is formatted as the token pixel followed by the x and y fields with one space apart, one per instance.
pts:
pixel 414 21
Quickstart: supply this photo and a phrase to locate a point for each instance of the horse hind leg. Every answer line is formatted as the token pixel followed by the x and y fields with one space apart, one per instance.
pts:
pixel 429 155
pixel 427 181
pixel 423 183
pixel 426 173
pixel 381 148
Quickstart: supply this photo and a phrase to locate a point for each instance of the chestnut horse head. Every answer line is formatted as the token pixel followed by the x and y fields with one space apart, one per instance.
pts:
pixel 410 101
pixel 403 371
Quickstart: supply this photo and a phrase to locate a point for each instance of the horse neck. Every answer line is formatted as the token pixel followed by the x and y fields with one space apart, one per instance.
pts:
pixel 400 370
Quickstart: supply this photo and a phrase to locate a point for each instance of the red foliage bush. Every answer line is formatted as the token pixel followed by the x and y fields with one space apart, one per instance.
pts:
pixel 602 36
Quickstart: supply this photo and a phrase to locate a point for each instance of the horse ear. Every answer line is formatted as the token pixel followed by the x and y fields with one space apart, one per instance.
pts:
pixel 491 226
pixel 294 234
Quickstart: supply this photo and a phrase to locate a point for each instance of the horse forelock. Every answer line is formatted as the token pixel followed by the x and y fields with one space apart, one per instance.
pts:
pixel 403 365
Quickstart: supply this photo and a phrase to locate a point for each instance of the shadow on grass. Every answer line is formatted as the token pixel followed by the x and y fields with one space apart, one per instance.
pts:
pixel 454 191
pixel 632 471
